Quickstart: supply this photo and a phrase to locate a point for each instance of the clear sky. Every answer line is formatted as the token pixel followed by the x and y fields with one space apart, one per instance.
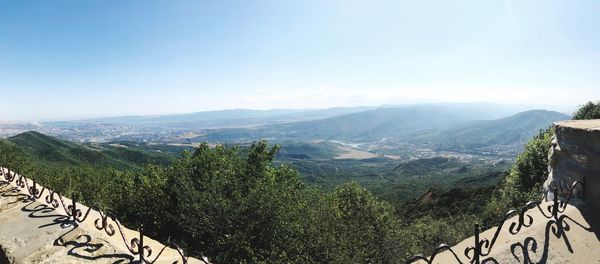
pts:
pixel 69 59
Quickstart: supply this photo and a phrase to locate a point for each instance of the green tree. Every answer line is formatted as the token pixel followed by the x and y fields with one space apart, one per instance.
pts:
pixel 590 110
pixel 525 178
pixel 232 205
pixel 13 158
pixel 366 228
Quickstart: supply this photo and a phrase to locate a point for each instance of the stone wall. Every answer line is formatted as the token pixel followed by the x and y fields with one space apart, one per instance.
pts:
pixel 575 156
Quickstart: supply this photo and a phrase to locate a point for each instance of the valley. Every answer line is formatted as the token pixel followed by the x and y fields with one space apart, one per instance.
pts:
pixel 397 152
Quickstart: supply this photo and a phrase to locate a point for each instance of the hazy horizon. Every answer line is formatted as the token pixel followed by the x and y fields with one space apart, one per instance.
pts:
pixel 72 60
pixel 517 107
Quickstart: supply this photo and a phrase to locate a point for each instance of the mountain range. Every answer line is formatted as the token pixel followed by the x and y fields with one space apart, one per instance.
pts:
pixel 515 129
pixel 478 128
pixel 387 149
pixel 440 127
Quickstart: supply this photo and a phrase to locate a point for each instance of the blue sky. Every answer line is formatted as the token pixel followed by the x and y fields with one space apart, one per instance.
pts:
pixel 70 59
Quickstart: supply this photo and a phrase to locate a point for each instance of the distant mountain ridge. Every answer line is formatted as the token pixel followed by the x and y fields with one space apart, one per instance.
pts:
pixel 490 109
pixel 384 122
pixel 515 129
pixel 228 115
pixel 398 123
pixel 431 125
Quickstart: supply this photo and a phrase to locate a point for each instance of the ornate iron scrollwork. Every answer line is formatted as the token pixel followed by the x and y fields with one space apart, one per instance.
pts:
pixel 479 252
pixel 439 249
pixel 135 246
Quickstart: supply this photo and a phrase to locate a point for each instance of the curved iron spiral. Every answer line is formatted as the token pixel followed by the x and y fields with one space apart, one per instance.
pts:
pixel 135 246
pixel 483 247
pixel 436 251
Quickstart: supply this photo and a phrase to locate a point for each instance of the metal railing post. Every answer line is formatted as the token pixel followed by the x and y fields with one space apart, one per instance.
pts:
pixel 33 190
pixel 141 245
pixel 555 205
pixel 74 207
pixel 477 245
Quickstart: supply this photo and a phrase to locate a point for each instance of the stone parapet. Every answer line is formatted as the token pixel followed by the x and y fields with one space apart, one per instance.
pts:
pixel 575 156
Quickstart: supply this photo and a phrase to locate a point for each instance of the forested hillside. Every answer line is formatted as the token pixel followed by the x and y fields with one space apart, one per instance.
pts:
pixel 43 148
pixel 266 212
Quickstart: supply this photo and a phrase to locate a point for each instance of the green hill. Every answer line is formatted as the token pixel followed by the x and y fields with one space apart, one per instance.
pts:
pixel 47 149
pixel 419 167
pixel 301 150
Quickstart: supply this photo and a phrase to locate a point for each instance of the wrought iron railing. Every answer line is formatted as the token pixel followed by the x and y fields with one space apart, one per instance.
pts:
pixel 105 222
pixel 480 251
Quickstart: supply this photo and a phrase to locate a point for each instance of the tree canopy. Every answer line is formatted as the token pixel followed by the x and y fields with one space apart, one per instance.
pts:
pixel 590 110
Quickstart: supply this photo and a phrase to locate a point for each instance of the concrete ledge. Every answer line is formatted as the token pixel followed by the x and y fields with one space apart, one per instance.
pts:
pixel 576 241
pixel 35 232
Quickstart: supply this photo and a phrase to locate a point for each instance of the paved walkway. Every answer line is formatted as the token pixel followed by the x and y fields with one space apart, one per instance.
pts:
pixel 573 238
pixel 35 232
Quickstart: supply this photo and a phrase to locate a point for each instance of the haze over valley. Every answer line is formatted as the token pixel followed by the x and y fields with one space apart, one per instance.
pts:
pixel 419 144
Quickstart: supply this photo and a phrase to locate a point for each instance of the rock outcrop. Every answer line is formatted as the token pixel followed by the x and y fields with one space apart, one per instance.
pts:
pixel 575 156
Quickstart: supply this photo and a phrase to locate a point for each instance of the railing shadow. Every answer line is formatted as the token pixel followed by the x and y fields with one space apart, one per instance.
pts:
pixel 82 246
pixel 6 190
pixel 42 211
pixel 559 228
pixel 530 244
pixel 592 216
pixel 553 215
pixel 73 216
